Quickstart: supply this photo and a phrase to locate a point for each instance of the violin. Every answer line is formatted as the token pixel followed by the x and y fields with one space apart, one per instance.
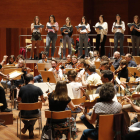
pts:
pixel 27 69
pixel 119 69
pixel 15 63
pixel 92 86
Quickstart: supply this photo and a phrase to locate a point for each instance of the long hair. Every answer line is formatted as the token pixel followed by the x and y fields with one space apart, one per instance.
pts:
pixel 102 17
pixel 11 56
pixel 85 20
pixel 120 19
pixel 35 20
pixel 53 18
pixel 69 20
pixel 136 16
pixel 61 92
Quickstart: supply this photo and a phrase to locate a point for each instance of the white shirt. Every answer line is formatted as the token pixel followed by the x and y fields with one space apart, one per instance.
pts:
pixel 87 27
pixel 35 30
pixel 52 30
pixel 60 73
pixel 75 88
pixel 118 30
pixel 105 27
pixel 93 79
pixel 96 60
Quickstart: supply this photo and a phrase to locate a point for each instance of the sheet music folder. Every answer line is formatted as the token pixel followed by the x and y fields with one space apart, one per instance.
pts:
pixel 82 27
pixel 38 26
pixel 100 27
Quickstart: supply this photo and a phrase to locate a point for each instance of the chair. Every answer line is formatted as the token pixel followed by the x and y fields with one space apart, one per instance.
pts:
pixel 29 106
pixel 59 115
pixel 129 41
pixel 123 57
pixel 111 40
pixel 105 130
pixel 97 64
pixel 98 71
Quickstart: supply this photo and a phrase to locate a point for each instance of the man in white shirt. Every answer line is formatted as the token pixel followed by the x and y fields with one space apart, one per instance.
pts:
pixel 93 78
pixel 77 93
pixel 57 71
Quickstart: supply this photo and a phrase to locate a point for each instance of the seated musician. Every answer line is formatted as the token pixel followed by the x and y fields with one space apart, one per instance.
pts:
pixel 29 94
pixel 43 60
pixel 93 78
pixel 68 63
pixel 96 57
pixel 104 65
pixel 128 108
pixel 81 66
pixel 117 58
pixel 56 70
pixel 122 70
pixel 74 61
pixel 58 101
pixel 106 76
pixel 11 60
pixel 105 58
pixel 105 106
pixel 2 92
pixel 128 58
pixel 135 135
pixel 20 56
pixel 77 93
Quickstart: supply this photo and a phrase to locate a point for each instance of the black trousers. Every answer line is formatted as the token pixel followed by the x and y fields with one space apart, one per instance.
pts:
pixel 3 99
pixel 102 44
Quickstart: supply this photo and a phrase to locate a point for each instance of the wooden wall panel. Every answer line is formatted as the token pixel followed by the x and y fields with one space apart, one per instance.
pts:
pixel 17 16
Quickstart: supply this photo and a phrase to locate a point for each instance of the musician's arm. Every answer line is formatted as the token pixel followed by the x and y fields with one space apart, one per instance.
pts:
pixel 4 60
pixel 91 119
pixel 136 108
pixel 84 83
pixel 71 105
pixel 42 98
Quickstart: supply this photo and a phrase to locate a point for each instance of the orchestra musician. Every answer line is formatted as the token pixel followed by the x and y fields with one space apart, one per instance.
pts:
pixel 11 60
pixel 56 70
pixel 74 61
pixel 122 70
pixel 93 78
pixel 43 60
pixel 52 28
pixel 96 56
pixel 84 36
pixel 128 58
pixel 101 34
pixel 135 35
pixel 117 58
pixel 118 29
pixel 2 92
pixel 68 63
pixel 104 65
pixel 67 33
pixel 36 37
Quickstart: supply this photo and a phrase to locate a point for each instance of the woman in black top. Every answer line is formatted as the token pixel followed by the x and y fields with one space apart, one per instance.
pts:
pixel 67 33
pixel 123 73
pixel 135 34
pixel 58 101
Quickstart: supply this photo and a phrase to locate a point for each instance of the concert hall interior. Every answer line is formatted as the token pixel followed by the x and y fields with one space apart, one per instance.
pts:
pixel 70 69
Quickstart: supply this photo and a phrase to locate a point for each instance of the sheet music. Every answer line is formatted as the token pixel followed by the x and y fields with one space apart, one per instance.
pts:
pixel 119 82
pixel 14 75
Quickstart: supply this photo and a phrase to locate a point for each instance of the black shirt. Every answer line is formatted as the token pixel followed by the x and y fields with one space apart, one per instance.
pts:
pixel 29 94
pixel 70 30
pixel 135 32
pixel 55 105
pixel 124 74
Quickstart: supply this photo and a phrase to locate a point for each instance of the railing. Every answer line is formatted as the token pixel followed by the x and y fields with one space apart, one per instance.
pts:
pixel 74 35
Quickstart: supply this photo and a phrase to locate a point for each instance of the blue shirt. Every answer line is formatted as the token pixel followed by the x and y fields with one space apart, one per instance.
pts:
pixel 132 64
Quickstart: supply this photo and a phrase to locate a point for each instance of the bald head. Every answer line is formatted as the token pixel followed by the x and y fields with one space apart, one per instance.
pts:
pixel 116 55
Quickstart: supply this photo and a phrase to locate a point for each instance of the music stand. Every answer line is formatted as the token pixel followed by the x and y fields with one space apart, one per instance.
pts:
pixel 43 66
pixel 133 71
pixel 48 76
pixel 97 64
pixel 137 59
